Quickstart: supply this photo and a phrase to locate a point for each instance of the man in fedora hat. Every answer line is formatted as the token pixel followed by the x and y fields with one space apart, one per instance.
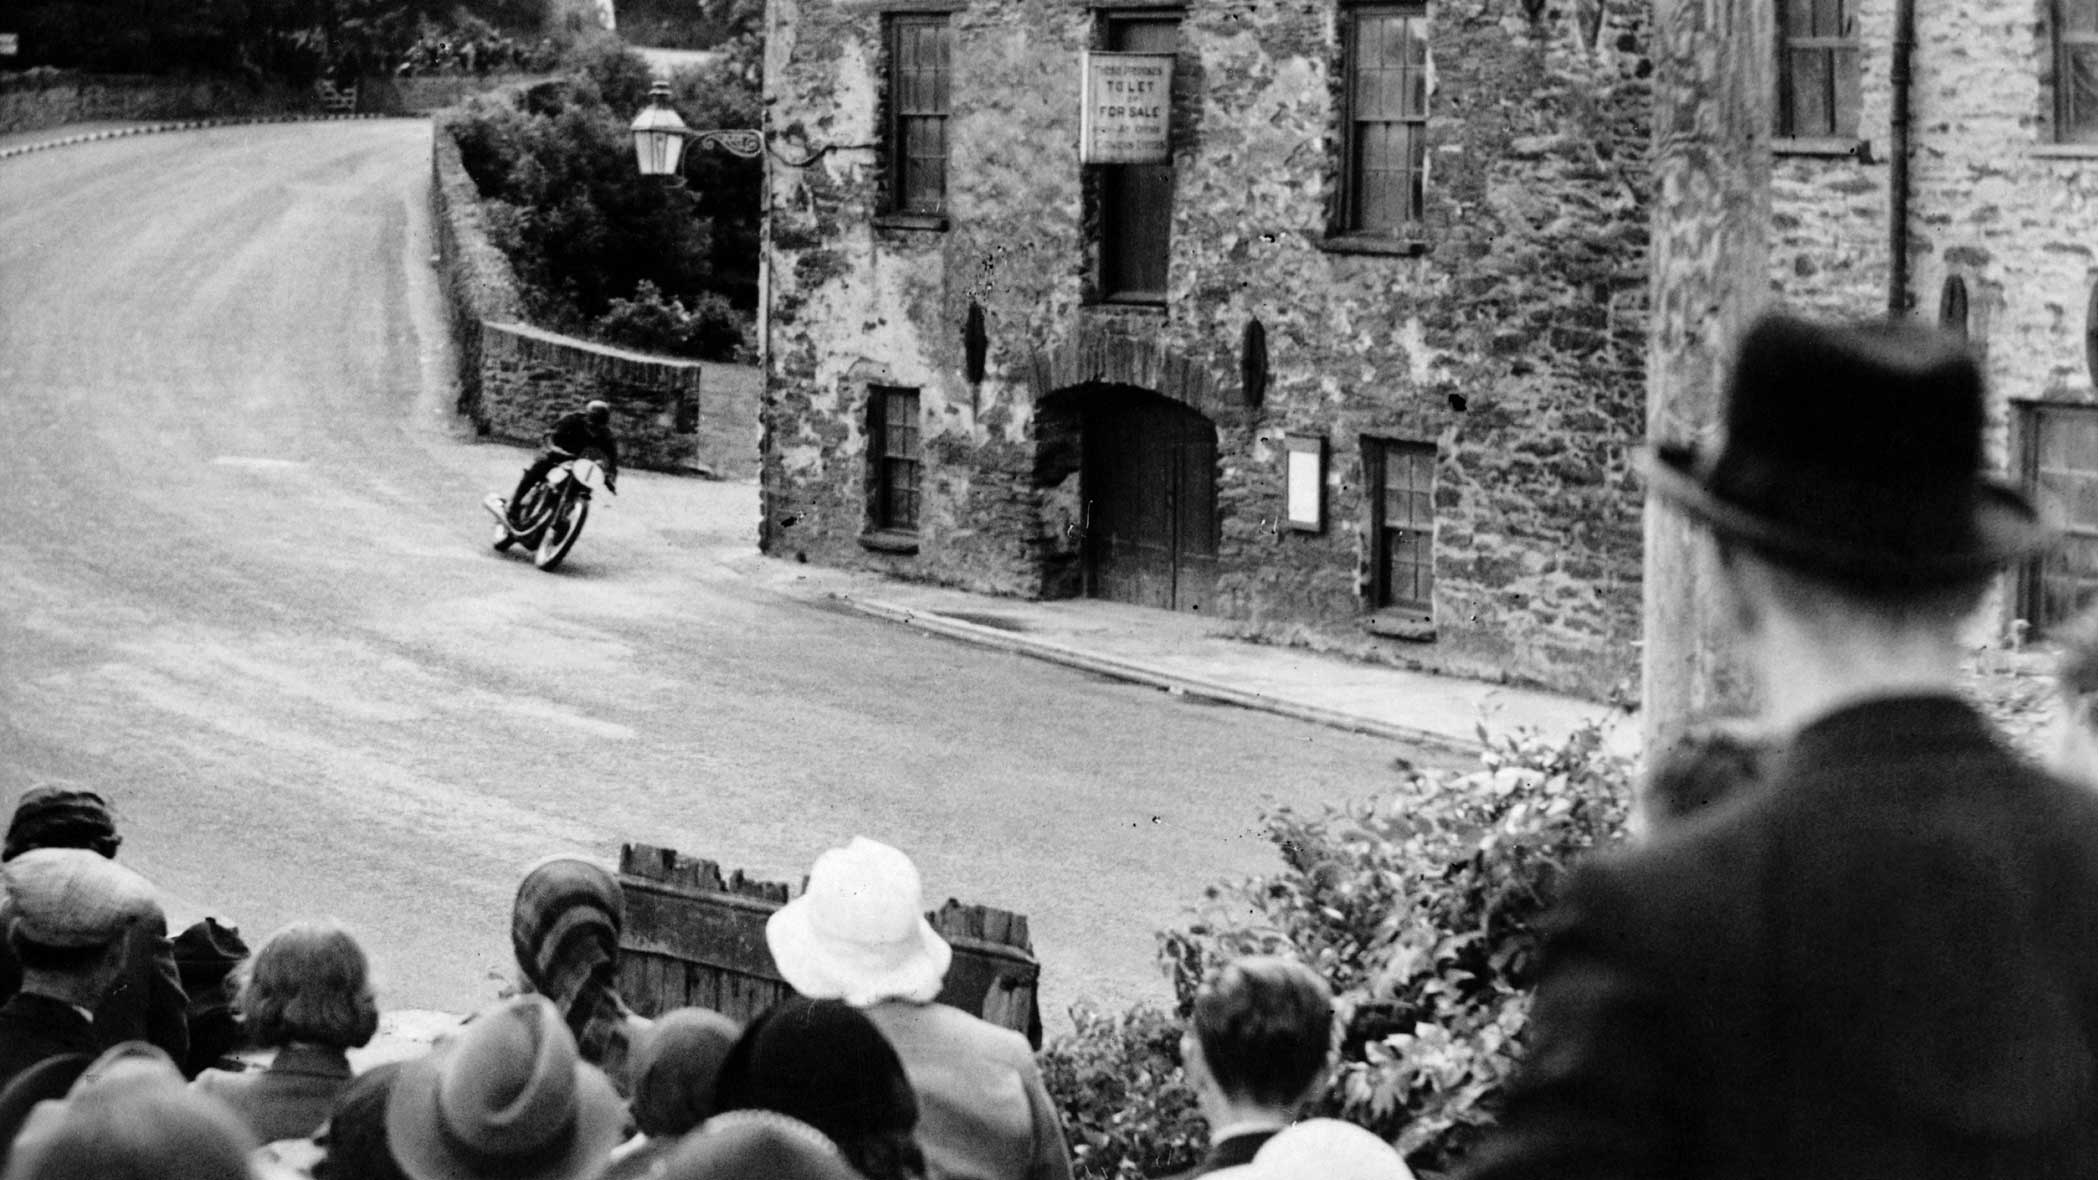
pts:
pixel 1883 960
pixel 858 933
pixel 506 1099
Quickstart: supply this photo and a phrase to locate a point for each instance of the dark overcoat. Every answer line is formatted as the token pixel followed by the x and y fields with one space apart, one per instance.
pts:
pixel 1883 965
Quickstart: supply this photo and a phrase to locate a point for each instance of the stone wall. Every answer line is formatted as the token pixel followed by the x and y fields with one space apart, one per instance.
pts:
pixel 1994 201
pixel 541 375
pixel 34 100
pixel 514 379
pixel 1513 340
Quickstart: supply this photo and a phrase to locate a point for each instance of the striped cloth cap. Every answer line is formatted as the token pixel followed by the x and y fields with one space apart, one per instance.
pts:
pixel 564 928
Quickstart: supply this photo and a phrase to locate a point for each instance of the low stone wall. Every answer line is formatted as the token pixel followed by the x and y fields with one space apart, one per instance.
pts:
pixel 537 376
pixel 478 283
pixel 514 379
pixel 35 100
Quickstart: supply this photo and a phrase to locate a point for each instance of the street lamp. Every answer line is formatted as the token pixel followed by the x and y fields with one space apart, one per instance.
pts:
pixel 660 135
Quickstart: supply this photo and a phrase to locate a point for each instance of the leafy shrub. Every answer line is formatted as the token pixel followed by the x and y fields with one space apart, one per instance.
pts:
pixel 710 329
pixel 584 230
pixel 580 225
pixel 1419 908
pixel 1127 1109
pixel 621 77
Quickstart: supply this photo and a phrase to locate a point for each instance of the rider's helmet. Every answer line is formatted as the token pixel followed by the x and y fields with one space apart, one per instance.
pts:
pixel 599 413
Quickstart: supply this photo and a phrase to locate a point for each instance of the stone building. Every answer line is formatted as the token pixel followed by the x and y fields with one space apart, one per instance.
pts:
pixel 2001 228
pixel 1343 343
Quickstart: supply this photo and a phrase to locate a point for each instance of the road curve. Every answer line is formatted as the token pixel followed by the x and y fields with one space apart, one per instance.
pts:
pixel 245 588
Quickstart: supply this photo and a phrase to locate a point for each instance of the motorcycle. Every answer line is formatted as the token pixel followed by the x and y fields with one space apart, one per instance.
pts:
pixel 550 516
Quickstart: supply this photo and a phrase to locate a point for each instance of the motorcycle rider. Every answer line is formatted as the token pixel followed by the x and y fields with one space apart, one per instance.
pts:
pixel 589 428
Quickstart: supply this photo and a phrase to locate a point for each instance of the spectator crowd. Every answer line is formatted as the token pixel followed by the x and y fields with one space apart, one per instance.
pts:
pixel 1857 938
pixel 125 1053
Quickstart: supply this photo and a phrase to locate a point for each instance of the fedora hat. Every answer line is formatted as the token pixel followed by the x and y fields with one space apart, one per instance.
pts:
pixel 1853 452
pixel 507 1098
pixel 858 932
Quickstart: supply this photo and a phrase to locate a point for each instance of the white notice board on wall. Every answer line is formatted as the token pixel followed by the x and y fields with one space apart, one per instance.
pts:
pixel 1127 112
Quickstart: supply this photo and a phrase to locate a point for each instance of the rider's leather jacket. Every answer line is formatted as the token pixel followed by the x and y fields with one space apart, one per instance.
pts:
pixel 573 433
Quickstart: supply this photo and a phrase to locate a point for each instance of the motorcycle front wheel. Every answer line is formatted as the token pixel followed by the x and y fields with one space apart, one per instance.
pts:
pixel 561 531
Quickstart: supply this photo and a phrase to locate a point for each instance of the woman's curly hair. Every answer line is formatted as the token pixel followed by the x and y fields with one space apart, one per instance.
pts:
pixel 311 983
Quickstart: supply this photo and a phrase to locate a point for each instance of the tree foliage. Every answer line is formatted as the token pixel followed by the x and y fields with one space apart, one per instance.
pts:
pixel 288 40
pixel 596 245
pixel 1419 908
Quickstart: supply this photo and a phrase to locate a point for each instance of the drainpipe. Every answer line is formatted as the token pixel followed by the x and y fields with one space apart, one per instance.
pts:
pixel 1898 163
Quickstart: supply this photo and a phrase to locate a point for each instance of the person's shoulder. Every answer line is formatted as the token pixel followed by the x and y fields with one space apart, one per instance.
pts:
pixel 955 1026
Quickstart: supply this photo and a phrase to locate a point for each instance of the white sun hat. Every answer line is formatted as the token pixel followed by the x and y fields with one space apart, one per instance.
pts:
pixel 858 932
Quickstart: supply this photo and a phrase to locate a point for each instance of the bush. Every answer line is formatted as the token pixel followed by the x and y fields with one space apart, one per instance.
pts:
pixel 580 225
pixel 1127 1109
pixel 710 329
pixel 1419 908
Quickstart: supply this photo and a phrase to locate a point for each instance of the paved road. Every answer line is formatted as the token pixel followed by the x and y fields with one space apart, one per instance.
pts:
pixel 245 588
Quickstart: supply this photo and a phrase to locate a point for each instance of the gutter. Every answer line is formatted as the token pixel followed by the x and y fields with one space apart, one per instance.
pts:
pixel 1898 301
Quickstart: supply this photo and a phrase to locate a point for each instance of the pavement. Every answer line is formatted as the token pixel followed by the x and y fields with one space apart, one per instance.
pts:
pixel 1195 656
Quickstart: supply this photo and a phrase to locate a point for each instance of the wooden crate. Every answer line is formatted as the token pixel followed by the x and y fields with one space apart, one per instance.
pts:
pixel 696 936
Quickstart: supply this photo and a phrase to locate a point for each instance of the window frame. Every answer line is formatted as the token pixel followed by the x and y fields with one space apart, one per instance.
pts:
pixel 1844 52
pixel 2032 573
pixel 884 458
pixel 1347 222
pixel 899 203
pixel 1378 452
pixel 2061 46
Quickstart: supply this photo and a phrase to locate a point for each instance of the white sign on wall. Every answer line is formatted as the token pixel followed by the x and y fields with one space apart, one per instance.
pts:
pixel 10 44
pixel 1127 116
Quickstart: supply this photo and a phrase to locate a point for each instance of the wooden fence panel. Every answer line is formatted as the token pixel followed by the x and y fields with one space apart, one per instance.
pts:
pixel 696 936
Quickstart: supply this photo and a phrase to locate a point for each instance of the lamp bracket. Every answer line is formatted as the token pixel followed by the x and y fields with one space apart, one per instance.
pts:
pixel 737 141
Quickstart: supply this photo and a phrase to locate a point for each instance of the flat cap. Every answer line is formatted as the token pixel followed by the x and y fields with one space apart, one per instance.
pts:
pixel 73 897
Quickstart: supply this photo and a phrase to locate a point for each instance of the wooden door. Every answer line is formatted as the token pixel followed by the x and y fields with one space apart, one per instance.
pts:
pixel 1150 487
pixel 1136 200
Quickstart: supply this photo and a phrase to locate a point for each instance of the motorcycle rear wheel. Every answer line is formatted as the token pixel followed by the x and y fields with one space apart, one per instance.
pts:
pixel 561 532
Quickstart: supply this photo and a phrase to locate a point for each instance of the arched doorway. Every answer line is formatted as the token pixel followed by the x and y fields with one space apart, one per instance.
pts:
pixel 1148 489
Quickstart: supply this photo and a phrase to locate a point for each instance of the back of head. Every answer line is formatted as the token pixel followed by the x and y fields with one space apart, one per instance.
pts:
pixel 825 1063
pixel 137 1130
pixel 675 1068
pixel 599 413
pixel 564 926
pixel 61 817
pixel 1265 1028
pixel 310 982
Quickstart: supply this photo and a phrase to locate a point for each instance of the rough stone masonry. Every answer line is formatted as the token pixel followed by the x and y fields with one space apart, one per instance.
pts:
pixel 1509 332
